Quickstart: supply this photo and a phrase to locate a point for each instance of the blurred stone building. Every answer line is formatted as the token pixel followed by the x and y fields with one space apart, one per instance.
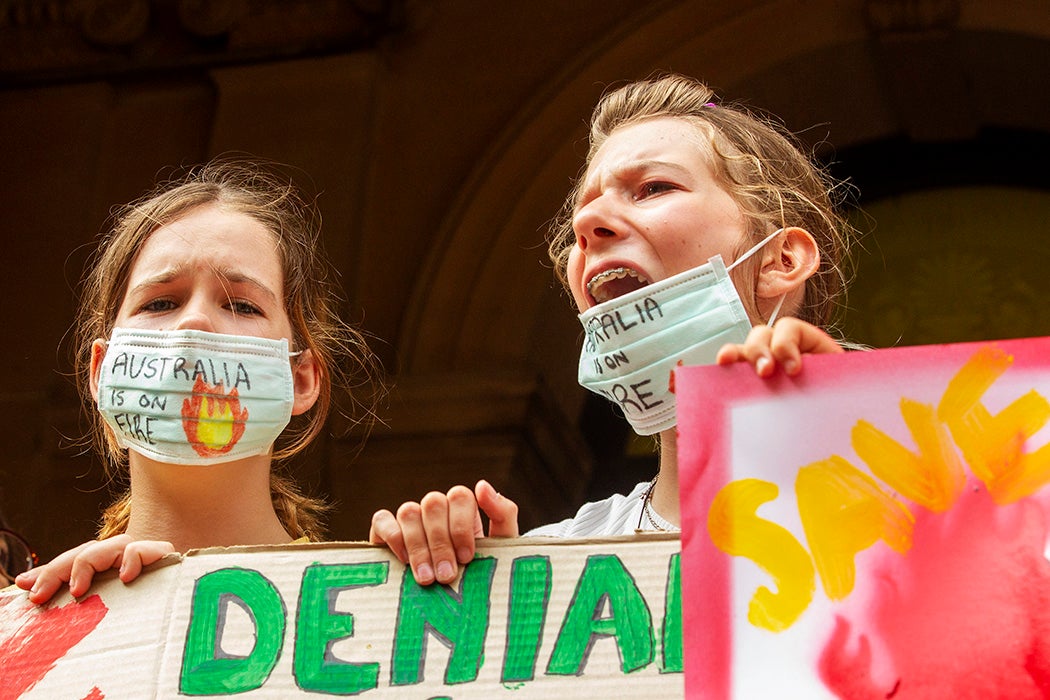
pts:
pixel 440 137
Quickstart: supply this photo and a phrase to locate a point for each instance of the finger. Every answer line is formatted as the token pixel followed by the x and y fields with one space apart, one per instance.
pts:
pixel 140 554
pixel 729 353
pixel 814 340
pixel 48 578
pixel 26 579
pixel 793 337
pixel 410 520
pixel 45 587
pixel 386 530
pixel 100 556
pixel 501 511
pixel 786 345
pixel 464 522
pixel 756 352
pixel 435 508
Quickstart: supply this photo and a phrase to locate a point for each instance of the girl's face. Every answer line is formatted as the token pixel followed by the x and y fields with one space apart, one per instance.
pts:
pixel 649 208
pixel 211 270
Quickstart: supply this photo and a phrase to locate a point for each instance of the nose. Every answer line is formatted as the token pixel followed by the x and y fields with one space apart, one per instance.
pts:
pixel 595 222
pixel 195 315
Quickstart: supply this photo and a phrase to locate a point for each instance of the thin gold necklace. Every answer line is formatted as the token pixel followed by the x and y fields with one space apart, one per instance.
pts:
pixel 647 499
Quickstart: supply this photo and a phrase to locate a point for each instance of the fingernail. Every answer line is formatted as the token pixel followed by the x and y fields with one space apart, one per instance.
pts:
pixel 790 366
pixel 72 584
pixel 762 365
pixel 445 571
pixel 464 555
pixel 424 574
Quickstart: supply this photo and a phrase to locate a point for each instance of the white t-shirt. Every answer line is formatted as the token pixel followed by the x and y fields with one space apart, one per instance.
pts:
pixel 616 515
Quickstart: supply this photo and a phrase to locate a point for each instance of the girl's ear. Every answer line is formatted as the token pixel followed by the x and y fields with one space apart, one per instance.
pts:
pixel 306 379
pixel 789 260
pixel 98 353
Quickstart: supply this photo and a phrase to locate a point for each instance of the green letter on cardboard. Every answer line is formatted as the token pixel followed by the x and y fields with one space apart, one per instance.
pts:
pixel 604 579
pixel 318 625
pixel 206 669
pixel 460 621
pixel 530 591
pixel 672 634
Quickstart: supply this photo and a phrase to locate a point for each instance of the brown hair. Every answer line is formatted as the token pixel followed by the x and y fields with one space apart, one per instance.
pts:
pixel 755 160
pixel 310 300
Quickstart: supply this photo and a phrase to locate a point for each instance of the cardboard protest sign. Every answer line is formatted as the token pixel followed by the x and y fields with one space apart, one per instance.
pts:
pixel 529 618
pixel 875 527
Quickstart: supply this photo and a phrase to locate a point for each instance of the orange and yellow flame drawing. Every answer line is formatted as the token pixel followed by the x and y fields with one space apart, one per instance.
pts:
pixel 213 420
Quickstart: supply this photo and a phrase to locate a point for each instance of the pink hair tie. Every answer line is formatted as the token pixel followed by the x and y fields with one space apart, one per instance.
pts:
pixel 710 104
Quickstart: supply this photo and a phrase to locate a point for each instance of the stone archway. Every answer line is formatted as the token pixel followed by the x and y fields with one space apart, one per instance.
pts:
pixel 486 313
pixel 487 301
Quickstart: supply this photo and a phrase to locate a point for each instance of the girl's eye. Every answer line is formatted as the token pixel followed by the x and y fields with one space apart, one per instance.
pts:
pixel 649 189
pixel 158 305
pixel 246 308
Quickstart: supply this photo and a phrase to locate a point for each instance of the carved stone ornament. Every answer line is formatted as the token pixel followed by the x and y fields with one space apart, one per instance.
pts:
pixel 46 41
pixel 209 18
pixel 909 16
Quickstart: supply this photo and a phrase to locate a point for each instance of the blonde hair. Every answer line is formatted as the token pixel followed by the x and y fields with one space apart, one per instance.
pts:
pixel 310 300
pixel 755 160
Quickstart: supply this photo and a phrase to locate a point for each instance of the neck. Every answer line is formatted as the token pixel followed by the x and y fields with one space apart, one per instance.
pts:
pixel 665 494
pixel 204 506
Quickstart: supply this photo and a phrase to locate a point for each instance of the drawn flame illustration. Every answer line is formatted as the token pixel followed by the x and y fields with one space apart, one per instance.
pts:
pixel 212 419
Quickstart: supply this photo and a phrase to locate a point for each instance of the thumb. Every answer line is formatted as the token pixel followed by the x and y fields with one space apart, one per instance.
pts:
pixel 501 511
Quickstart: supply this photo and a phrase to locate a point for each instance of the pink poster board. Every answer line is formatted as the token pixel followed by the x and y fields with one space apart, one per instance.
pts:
pixel 873 528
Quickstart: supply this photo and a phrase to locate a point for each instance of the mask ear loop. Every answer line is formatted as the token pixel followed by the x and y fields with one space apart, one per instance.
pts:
pixel 748 254
pixel 754 249
pixel 776 310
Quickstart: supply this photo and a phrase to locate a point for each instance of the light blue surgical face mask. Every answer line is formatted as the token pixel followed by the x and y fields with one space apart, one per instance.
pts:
pixel 634 341
pixel 193 397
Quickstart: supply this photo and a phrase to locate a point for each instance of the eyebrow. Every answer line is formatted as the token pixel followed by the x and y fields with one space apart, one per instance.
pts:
pixel 650 163
pixel 236 277
pixel 631 167
pixel 227 275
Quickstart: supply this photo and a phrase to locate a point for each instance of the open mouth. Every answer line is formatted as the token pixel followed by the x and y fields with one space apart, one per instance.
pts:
pixel 615 283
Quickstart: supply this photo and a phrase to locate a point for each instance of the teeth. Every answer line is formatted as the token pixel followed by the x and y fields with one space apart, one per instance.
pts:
pixel 608 285
pixel 616 273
